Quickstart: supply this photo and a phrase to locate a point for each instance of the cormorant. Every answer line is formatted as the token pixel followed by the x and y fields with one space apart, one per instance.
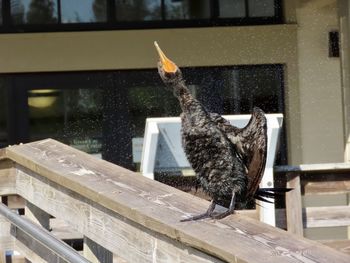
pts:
pixel 228 161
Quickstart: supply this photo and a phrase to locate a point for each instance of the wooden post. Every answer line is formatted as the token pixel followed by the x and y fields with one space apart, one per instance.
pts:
pixel 2 252
pixel 40 217
pixel 294 205
pixel 96 253
pixel 37 215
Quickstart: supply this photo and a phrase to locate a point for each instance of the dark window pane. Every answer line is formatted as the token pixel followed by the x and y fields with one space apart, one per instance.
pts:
pixel 0 12
pixel 186 9
pixel 138 10
pixel 3 110
pixel 232 9
pixel 34 11
pixel 144 103
pixel 71 116
pixel 260 8
pixel 83 11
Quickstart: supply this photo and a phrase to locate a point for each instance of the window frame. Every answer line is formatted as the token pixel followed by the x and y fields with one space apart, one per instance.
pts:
pixel 112 24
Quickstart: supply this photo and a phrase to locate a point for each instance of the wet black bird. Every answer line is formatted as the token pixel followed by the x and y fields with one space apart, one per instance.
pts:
pixel 228 161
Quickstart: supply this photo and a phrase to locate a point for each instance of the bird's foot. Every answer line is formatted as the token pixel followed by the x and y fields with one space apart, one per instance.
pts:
pixel 222 215
pixel 197 217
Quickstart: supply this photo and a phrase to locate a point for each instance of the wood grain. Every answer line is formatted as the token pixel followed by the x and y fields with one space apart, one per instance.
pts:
pixel 130 214
pixel 294 206
pixel 313 168
pixel 327 216
pixel 340 245
pixel 7 177
pixel 96 253
pixel 327 187
pixel 33 250
pixel 6 240
pixel 117 234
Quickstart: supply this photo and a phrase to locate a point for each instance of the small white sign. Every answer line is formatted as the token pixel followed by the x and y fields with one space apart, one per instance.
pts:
pixel 137 144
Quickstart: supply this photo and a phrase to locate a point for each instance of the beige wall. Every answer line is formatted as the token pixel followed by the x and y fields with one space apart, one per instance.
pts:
pixel 134 49
pixel 344 19
pixel 322 129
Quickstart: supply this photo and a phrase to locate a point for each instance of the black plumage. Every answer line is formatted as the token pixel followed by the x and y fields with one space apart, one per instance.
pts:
pixel 228 161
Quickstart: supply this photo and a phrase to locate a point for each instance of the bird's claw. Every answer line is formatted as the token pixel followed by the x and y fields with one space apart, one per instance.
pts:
pixel 208 215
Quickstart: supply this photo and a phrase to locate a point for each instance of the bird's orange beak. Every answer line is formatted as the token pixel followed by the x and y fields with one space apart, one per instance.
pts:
pixel 168 65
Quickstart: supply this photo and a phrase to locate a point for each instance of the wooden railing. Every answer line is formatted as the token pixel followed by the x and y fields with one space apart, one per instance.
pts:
pixel 122 214
pixel 317 180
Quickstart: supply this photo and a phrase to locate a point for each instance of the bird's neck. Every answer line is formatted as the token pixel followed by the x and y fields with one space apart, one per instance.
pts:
pixel 191 108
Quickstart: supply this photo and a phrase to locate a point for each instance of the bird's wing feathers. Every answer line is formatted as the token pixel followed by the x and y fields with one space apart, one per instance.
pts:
pixel 251 145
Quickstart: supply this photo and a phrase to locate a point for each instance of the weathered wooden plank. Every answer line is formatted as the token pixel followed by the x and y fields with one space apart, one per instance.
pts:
pixel 63 231
pixel 327 187
pixel 313 168
pixel 7 177
pixel 118 234
pixel 32 249
pixel 6 240
pixel 15 201
pixel 294 205
pixel 154 207
pixel 96 253
pixel 340 245
pixel 37 215
pixel 327 216
pixel 2 154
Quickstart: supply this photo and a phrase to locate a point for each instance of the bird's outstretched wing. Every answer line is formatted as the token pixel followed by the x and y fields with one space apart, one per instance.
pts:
pixel 251 145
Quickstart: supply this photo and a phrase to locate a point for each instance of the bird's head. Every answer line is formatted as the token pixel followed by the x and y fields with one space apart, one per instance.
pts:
pixel 168 71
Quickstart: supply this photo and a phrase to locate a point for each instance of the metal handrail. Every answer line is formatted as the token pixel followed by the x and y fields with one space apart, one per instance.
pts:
pixel 44 237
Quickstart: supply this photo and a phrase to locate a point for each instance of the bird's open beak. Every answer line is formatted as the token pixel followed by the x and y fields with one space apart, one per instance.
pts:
pixel 168 65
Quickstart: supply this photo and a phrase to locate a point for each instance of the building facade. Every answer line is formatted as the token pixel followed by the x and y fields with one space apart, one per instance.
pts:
pixel 84 72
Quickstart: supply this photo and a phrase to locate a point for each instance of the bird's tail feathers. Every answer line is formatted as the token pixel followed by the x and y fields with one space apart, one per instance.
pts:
pixel 263 193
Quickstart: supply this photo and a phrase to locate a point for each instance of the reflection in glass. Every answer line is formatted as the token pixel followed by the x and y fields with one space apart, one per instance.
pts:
pixel 0 12
pixel 3 112
pixel 231 9
pixel 260 8
pixel 71 116
pixel 34 11
pixel 187 9
pixel 138 10
pixel 150 101
pixel 83 11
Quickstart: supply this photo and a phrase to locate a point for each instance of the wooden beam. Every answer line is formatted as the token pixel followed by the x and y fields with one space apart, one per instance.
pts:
pixel 32 249
pixel 6 240
pixel 124 211
pixel 96 253
pixel 294 206
pixel 121 236
pixel 340 245
pixel 7 177
pixel 327 187
pixel 37 215
pixel 313 168
pixel 327 216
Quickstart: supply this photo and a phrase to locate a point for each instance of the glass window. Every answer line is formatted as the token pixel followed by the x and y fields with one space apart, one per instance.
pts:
pixel 138 10
pixel 186 9
pixel 260 8
pixel 83 11
pixel 144 103
pixel 105 112
pixel 3 114
pixel 34 11
pixel 231 9
pixel 0 12
pixel 71 116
